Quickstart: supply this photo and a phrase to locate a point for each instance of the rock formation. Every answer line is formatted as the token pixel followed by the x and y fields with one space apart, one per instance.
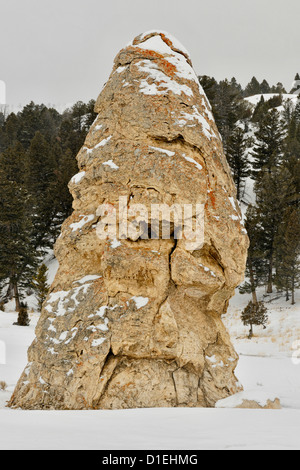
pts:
pixel 130 321
pixel 254 400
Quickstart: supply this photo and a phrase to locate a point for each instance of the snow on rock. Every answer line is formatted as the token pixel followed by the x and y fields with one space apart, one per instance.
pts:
pixel 121 69
pixel 97 342
pixel 165 44
pixel 140 302
pixel 115 244
pixel 85 219
pixel 167 152
pixel 185 118
pixel 208 270
pixel 87 279
pixel 165 79
pixel 59 297
pixel 78 178
pixel 101 144
pixel 111 164
pixel 171 39
pixel 163 82
pixel 191 160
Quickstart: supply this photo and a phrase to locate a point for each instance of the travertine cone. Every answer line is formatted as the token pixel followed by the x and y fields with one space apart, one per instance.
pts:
pixel 137 323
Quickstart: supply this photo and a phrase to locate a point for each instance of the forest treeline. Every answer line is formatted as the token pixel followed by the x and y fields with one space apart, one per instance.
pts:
pixel 38 148
pixel 262 146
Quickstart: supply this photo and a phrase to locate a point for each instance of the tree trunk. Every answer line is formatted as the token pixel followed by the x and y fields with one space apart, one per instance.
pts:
pixel 252 282
pixel 251 332
pixel 238 187
pixel 270 275
pixel 10 291
pixel 293 291
pixel 287 295
pixel 16 296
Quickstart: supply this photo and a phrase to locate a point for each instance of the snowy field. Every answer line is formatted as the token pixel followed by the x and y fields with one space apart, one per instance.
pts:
pixel 266 368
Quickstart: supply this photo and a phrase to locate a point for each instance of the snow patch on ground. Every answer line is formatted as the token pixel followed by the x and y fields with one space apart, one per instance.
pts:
pixel 255 99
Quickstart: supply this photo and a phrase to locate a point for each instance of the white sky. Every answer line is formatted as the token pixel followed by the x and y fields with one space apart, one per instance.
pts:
pixel 61 51
pixel 2 93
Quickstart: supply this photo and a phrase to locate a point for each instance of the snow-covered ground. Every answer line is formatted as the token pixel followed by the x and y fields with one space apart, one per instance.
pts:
pixel 282 329
pixel 266 368
pixel 172 429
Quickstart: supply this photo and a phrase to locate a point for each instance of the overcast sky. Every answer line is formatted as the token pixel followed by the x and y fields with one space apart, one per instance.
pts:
pixel 62 51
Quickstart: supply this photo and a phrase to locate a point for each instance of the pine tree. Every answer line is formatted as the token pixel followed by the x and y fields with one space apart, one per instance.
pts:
pixel 236 85
pixel 23 318
pixel 18 256
pixel 296 85
pixel 269 143
pixel 297 111
pixel 75 125
pixel 259 110
pixel 41 167
pixel 288 254
pixel 291 157
pixel 40 285
pixel 237 156
pixel 255 261
pixel 210 86
pixel 254 314
pixel 253 88
pixel 11 129
pixel 288 111
pixel 229 107
pixel 66 168
pixel 37 118
pixel 265 87
pixel 279 88
pixel 273 193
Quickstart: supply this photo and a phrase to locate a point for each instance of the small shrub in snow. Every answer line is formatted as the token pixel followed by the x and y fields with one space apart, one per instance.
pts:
pixel 3 386
pixel 23 318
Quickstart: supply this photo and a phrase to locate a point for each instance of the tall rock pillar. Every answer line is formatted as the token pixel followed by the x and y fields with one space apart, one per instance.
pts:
pixel 133 318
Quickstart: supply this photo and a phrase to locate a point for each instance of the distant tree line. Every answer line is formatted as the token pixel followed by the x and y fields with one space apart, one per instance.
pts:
pixel 262 146
pixel 38 148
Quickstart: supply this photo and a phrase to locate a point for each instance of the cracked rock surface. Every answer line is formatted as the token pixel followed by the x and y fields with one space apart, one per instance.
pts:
pixel 136 322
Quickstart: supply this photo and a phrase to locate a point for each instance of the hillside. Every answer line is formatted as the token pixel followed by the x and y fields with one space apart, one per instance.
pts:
pixel 255 99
